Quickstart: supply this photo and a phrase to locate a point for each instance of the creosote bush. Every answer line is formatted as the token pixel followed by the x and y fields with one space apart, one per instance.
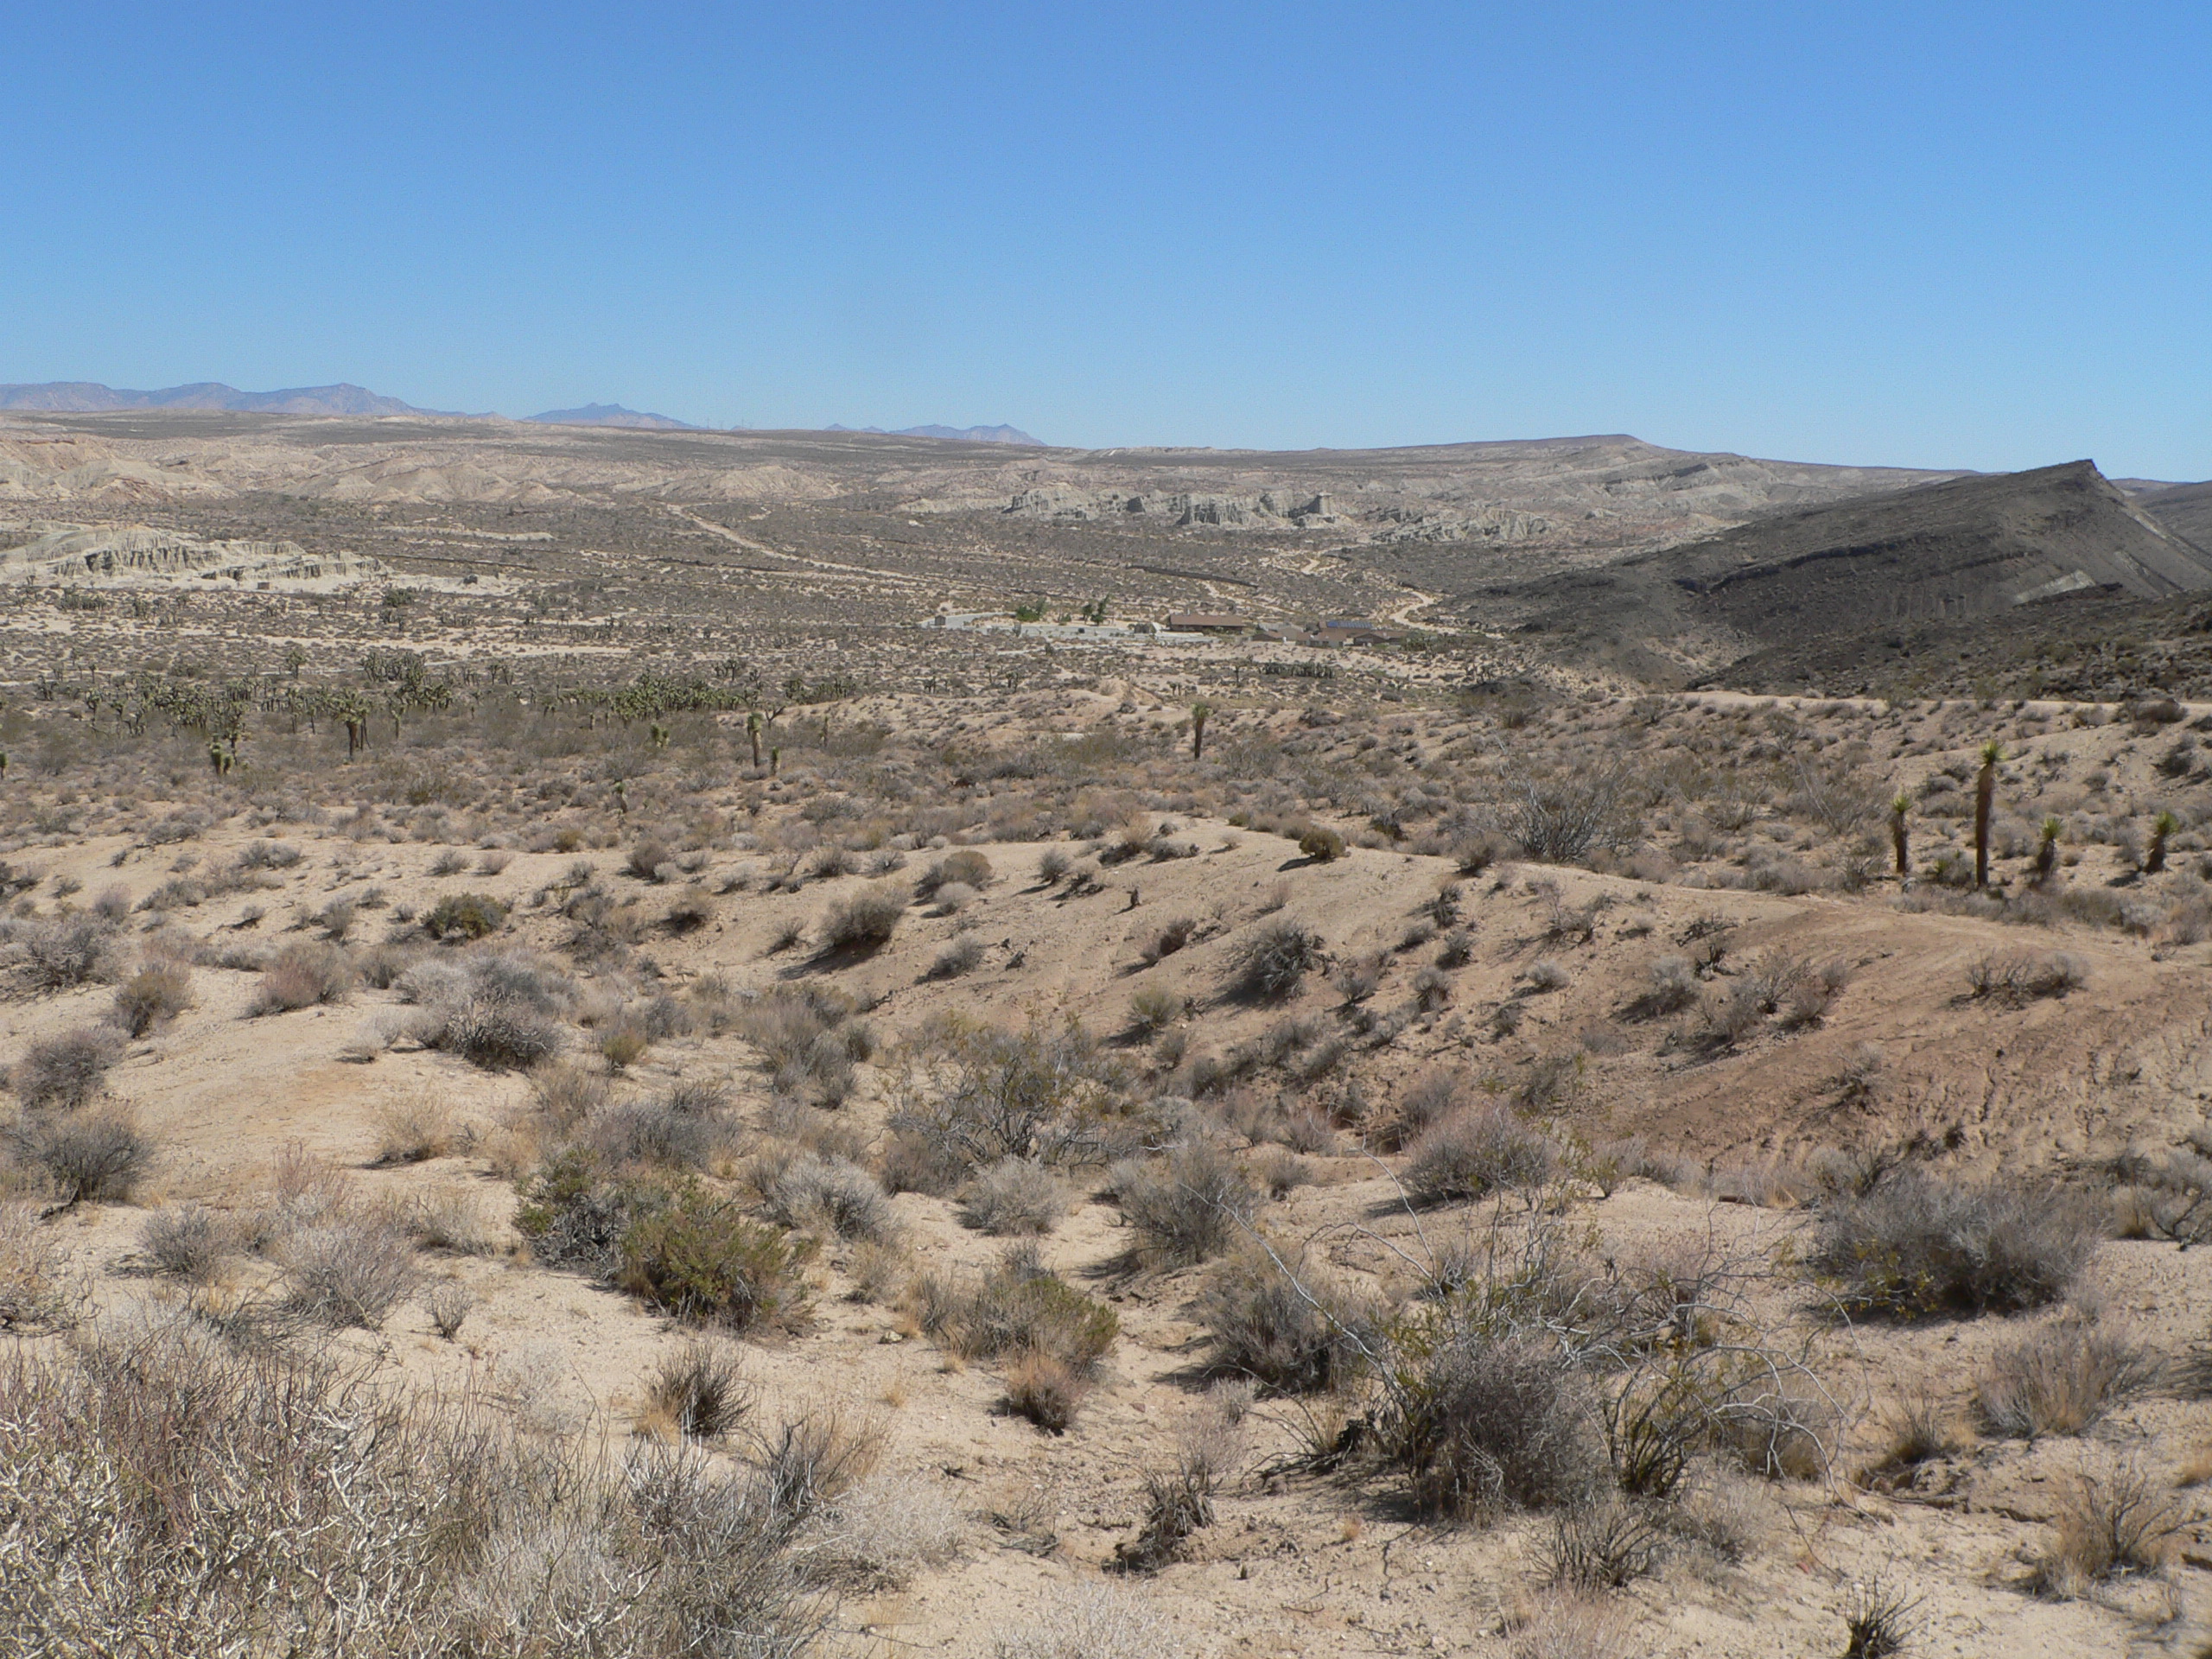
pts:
pixel 1919 1245
pixel 696 1257
pixel 465 915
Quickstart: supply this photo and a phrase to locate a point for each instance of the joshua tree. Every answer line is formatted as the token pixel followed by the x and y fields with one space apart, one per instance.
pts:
pixel 775 761
pixel 752 732
pixel 1198 712
pixel 656 734
pixel 2047 852
pixel 1898 844
pixel 1985 793
pixel 2162 826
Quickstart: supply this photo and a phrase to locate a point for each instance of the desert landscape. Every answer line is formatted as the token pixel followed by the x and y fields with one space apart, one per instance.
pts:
pixel 658 1041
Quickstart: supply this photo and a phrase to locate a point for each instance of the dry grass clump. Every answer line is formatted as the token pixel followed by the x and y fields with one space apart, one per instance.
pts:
pixel 1271 962
pixel 1879 1620
pixel 2106 1527
pixel 303 976
pixel 1188 1209
pixel 1473 1152
pixel 382 1524
pixel 881 1529
pixel 2062 1378
pixel 1919 1245
pixel 414 1130
pixel 1153 1008
pixel 700 1390
pixel 154 995
pixel 1574 1626
pixel 1178 1502
pixel 1013 1198
pixel 861 921
pixel 959 957
pixel 67 1071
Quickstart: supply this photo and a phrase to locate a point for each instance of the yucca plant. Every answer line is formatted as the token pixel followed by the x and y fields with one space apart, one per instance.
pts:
pixel 2047 852
pixel 1985 795
pixel 2161 826
pixel 1899 845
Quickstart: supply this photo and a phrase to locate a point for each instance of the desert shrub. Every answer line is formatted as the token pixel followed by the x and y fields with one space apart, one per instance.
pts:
pixel 1879 1620
pixel 831 1193
pixel 1053 865
pixel 65 1071
pixel 864 921
pixel 1271 961
pixel 1576 1626
pixel 1043 1093
pixel 1015 1196
pixel 1019 1308
pixel 87 1156
pixel 73 951
pixel 494 1009
pixel 414 1130
pixel 954 897
pixel 1548 974
pixel 1178 1502
pixel 154 995
pixel 1476 1422
pixel 1093 1623
pixel 189 1242
pixel 2062 1378
pixel 696 1258
pixel 1169 938
pixel 1473 1152
pixel 1188 1209
pixel 302 977
pixel 349 1270
pixel 1153 1008
pixel 1282 1326
pixel 1604 1546
pixel 2022 977
pixel 1320 843
pixel 465 915
pixel 1919 1245
pixel 374 1521
pixel 575 1212
pixel 448 1305
pixel 959 957
pixel 2121 1522
pixel 37 1291
pixel 653 1133
pixel 700 1389
pixel 1045 1390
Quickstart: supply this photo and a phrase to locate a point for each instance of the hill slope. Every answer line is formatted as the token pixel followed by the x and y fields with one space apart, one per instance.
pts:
pixel 1950 551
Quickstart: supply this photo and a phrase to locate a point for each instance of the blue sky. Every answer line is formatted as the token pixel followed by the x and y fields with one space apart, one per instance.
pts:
pixel 1956 235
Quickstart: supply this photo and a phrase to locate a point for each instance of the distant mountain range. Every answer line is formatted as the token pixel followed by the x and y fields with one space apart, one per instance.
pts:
pixel 85 397
pixel 611 415
pixel 89 398
pixel 958 433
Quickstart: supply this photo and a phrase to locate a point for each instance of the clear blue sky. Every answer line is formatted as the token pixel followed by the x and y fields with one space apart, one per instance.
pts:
pixel 1930 234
